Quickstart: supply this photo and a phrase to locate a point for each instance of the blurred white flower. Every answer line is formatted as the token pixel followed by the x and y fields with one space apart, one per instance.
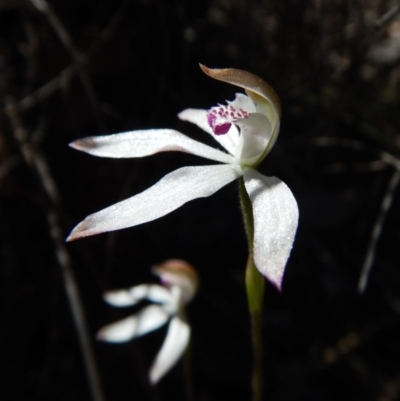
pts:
pixel 247 129
pixel 179 285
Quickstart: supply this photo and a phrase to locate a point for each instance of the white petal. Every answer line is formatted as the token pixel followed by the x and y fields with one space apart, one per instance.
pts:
pixel 174 346
pixel 152 292
pixel 133 295
pixel 145 143
pixel 255 134
pixel 275 223
pixel 199 117
pixel 119 298
pixel 171 192
pixel 148 319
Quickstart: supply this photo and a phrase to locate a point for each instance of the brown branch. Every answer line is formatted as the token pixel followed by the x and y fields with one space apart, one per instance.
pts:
pixel 65 38
pixel 54 84
pixel 39 165
pixel 377 230
pixel 385 205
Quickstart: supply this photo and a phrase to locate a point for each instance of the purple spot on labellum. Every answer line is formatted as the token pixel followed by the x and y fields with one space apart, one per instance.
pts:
pixel 211 119
pixel 221 129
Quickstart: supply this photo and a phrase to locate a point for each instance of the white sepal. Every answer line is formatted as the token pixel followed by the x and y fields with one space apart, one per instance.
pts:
pixel 146 320
pixel 147 142
pixel 172 349
pixel 276 216
pixel 171 192
pixel 133 295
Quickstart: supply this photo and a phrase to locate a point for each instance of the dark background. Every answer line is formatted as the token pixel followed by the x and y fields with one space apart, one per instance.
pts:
pixel 134 65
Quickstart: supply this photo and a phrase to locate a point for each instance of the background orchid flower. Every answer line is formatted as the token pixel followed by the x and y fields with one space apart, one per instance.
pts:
pixel 179 285
pixel 246 128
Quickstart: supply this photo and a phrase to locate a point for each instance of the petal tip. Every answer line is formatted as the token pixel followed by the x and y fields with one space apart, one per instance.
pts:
pixel 205 69
pixel 273 277
pixel 211 72
pixel 183 115
pixel 154 377
pixel 104 334
pixel 82 144
pixel 274 274
pixel 75 234
pixel 118 298
pixel 278 285
pixel 100 336
pixel 82 230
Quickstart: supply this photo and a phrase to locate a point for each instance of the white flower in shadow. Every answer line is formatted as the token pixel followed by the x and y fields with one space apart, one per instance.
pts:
pixel 247 129
pixel 179 285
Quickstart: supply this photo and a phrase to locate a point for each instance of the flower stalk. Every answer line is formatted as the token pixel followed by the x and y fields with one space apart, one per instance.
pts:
pixel 255 284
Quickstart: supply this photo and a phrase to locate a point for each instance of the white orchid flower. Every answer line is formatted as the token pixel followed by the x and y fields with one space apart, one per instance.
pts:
pixel 247 129
pixel 179 285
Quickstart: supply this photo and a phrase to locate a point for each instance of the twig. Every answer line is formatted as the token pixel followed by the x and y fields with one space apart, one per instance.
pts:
pixel 387 17
pixel 65 38
pixel 357 145
pixel 373 166
pixel 38 163
pixel 391 389
pixel 48 88
pixel 377 230
pixel 385 205
pixel 372 36
pixel 78 314
pixel 377 30
pixel 54 84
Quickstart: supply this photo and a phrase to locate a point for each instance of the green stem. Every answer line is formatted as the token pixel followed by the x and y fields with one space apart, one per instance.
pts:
pixel 255 292
pixel 188 375
pixel 187 366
